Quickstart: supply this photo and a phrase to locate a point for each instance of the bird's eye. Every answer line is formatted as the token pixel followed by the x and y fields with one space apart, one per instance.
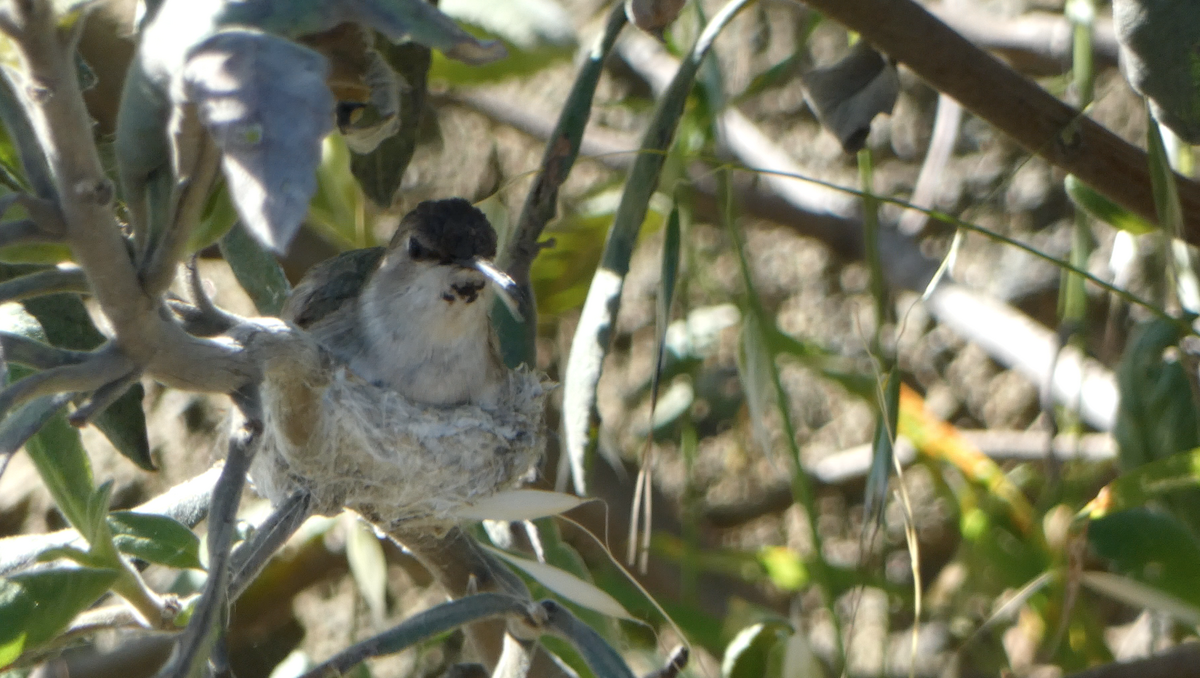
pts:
pixel 418 251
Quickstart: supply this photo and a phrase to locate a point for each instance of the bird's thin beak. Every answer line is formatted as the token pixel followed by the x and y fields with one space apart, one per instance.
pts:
pixel 510 293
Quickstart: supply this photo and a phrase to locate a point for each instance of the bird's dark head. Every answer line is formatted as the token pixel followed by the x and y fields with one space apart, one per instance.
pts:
pixel 444 250
pixel 449 230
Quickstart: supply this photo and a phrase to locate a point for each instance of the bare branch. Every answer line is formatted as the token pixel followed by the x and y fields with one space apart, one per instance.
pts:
pixel 250 558
pixel 1029 114
pixel 103 367
pixel 64 278
pixel 25 351
pixel 207 622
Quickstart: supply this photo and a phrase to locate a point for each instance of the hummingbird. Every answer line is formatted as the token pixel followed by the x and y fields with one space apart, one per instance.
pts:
pixel 413 316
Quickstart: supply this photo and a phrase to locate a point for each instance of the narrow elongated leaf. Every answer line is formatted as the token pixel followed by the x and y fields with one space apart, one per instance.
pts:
pixel 19 426
pixel 256 271
pixel 594 333
pixel 881 457
pixel 265 102
pixel 368 566
pixel 517 505
pixel 1100 207
pixel 37 606
pixel 58 454
pixel 746 655
pixel 1139 595
pixel 155 539
pixel 1149 481
pixel 601 658
pixel 567 585
pixel 754 370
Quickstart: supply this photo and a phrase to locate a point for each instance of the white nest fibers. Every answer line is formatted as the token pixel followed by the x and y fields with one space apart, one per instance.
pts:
pixel 356 445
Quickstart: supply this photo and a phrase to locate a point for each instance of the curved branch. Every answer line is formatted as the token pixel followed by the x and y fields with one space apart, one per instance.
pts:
pixel 1032 116
pixel 26 351
pixel 51 281
pixel 103 367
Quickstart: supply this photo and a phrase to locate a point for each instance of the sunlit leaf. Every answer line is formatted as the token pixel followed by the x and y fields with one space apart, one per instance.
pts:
pixel 1103 209
pixel 567 585
pixel 594 332
pixel 155 539
pixel 265 102
pixel 37 606
pixel 848 95
pixel 747 654
pixel 1160 54
pixel 368 565
pixel 1137 486
pixel 516 505
pixel 1139 595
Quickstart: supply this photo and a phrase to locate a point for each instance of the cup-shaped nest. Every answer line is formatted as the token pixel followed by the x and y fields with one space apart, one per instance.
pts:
pixel 356 445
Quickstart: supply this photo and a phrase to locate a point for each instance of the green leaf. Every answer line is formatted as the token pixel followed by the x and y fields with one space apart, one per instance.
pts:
pixel 748 653
pixel 256 271
pixel 155 539
pixel 1103 209
pixel 97 513
pixel 219 216
pixel 1157 415
pixel 594 333
pixel 1149 481
pixel 37 606
pixel 67 325
pixel 785 567
pixel 1150 547
pixel 19 426
pixel 380 172
pixel 58 454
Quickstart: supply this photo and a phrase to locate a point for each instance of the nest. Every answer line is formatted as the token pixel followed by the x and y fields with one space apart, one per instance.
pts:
pixel 356 445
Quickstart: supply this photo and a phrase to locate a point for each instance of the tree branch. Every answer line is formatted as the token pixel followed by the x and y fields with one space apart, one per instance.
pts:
pixel 1031 116
pixel 64 278
pixel 105 366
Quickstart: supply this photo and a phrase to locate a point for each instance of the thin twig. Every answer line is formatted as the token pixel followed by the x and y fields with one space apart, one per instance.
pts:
pixel 250 558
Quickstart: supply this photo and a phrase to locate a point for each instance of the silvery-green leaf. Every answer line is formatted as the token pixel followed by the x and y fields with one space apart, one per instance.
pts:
pixel 515 505
pixel 594 333
pixel 848 95
pixel 567 585
pixel 266 105
pixel 368 565
pixel 400 20
pixel 36 606
pixel 1160 55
